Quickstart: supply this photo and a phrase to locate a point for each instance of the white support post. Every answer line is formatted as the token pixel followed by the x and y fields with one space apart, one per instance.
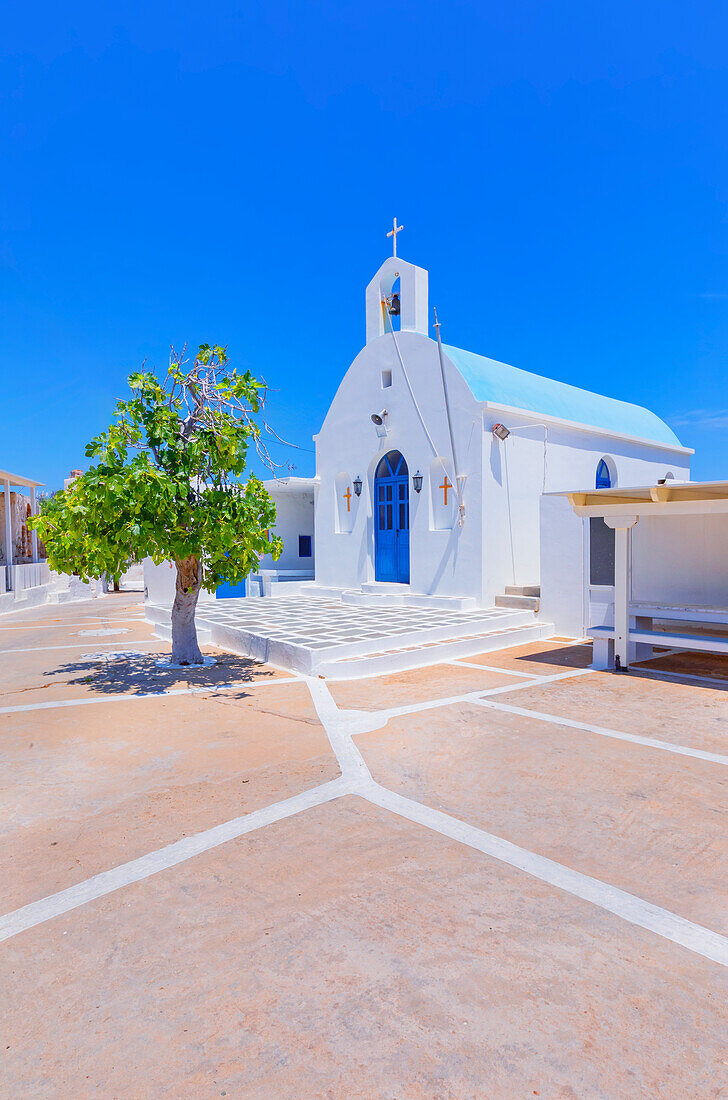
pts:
pixel 34 534
pixel 622 526
pixel 8 534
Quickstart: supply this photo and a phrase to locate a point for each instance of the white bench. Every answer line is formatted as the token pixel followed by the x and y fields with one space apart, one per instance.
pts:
pixel 643 636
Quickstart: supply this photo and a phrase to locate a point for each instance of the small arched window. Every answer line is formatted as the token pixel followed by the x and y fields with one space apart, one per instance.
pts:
pixel 392 465
pixel 604 476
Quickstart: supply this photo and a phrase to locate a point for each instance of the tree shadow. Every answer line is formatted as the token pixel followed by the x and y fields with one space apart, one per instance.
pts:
pixel 122 673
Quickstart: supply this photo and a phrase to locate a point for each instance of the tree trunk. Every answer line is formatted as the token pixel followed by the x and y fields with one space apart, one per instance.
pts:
pixel 185 650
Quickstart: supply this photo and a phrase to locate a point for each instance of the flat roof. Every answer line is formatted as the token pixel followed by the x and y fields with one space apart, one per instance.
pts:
pixel 663 493
pixel 16 479
pixel 291 484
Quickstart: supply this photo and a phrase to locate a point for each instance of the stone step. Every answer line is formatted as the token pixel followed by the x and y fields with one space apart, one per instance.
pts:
pixel 356 597
pixel 523 589
pixel 402 594
pixel 380 587
pixel 531 603
pixel 432 653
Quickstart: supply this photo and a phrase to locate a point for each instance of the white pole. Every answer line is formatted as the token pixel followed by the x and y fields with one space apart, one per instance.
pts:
pixel 33 511
pixel 621 597
pixel 622 526
pixel 8 534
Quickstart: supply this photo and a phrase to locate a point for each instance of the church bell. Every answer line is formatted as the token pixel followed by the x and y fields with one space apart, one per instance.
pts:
pixel 394 305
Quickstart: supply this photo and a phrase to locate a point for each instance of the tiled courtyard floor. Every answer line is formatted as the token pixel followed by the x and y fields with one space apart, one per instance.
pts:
pixel 318 623
pixel 517 889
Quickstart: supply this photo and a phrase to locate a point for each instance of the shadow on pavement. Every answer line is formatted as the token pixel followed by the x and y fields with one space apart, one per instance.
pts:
pixel 119 673
pixel 573 656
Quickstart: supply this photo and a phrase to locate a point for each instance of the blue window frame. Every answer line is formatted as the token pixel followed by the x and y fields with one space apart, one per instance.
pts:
pixel 604 478
pixel 304 546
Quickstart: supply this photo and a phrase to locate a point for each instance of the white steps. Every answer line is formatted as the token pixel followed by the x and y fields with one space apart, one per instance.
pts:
pixel 524 603
pixel 382 594
pixel 433 653
pixel 523 596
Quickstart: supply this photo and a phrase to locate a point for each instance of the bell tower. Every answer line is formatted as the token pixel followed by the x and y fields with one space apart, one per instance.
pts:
pixel 412 298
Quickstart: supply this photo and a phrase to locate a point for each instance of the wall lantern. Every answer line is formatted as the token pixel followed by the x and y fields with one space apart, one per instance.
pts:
pixel 501 431
pixel 417 482
pixel 357 486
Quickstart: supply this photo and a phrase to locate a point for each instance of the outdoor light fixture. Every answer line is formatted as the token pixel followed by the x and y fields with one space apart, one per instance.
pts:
pixel 417 482
pixel 357 486
pixel 501 431
pixel 377 420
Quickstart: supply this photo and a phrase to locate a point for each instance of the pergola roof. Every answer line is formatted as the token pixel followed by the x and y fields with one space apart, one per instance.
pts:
pixel 668 498
pixel 632 495
pixel 16 479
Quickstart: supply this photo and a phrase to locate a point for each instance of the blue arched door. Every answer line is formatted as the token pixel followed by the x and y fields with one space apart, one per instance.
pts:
pixel 391 519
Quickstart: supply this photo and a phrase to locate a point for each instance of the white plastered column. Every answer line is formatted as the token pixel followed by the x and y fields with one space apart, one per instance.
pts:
pixel 622 526
pixel 33 511
pixel 8 533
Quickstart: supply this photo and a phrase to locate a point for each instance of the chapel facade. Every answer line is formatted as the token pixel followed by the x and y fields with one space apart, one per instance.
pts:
pixel 432 461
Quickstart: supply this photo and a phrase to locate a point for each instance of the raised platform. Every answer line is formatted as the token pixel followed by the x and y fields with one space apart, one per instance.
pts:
pixel 328 637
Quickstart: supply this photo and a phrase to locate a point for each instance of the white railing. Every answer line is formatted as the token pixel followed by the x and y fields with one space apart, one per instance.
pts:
pixel 3 583
pixel 29 576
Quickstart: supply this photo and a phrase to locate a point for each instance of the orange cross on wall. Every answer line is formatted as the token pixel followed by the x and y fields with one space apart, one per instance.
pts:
pixel 446 485
pixel 347 498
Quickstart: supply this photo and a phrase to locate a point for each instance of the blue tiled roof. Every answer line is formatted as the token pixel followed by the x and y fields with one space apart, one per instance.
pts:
pixel 502 384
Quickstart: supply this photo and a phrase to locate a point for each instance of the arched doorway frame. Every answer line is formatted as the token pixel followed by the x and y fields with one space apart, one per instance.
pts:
pixel 391 519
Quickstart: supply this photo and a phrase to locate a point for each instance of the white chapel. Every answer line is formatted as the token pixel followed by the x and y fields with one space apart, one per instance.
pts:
pixel 432 462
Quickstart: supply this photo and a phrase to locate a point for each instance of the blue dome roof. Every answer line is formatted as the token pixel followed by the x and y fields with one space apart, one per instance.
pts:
pixel 502 384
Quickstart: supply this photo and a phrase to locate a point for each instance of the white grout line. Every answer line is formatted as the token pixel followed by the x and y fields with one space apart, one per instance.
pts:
pixel 85 645
pixel 628 907
pixel 491 668
pixel 210 689
pixel 392 713
pixel 340 725
pixel 137 869
pixel 471 696
pixel 31 624
pixel 617 735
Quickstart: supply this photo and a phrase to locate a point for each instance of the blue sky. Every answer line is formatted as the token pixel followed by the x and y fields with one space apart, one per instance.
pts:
pixel 227 172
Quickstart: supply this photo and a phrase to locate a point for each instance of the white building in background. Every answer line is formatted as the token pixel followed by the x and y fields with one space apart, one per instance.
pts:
pixel 431 462
pixel 18 545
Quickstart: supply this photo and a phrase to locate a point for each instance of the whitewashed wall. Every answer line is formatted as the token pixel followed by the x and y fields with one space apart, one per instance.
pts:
pixel 294 517
pixel 500 543
pixel 675 561
pixel 514 547
pixel 447 561
pixel 681 560
pixel 159 584
pixel 563 567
